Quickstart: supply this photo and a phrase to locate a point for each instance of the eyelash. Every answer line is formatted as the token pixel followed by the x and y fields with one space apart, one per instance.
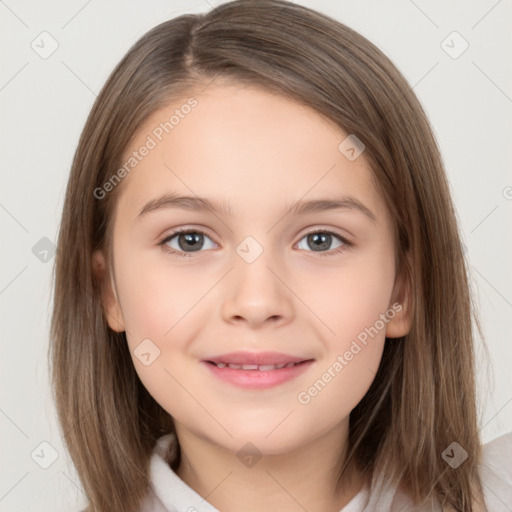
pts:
pixel 346 244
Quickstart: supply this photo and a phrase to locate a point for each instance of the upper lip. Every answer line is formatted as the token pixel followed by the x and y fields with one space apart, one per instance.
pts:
pixel 259 358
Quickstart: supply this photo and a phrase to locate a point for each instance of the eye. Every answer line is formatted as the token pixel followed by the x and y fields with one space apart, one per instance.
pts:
pixel 183 242
pixel 321 241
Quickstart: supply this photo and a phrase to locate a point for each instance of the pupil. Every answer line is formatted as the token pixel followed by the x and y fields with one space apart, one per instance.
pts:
pixel 193 239
pixel 319 241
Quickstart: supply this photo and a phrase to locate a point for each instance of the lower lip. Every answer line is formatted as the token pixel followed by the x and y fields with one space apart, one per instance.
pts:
pixel 256 379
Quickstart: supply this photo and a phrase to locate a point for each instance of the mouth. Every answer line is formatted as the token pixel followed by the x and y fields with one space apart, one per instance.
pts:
pixel 257 370
pixel 257 367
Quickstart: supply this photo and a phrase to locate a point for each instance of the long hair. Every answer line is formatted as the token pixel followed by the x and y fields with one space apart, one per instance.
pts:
pixel 423 396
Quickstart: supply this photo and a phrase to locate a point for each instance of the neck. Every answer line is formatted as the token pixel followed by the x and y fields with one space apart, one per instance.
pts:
pixel 305 479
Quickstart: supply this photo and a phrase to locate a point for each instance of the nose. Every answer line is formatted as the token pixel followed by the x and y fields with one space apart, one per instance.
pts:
pixel 257 294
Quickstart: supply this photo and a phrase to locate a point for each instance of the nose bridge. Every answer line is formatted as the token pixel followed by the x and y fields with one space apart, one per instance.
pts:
pixel 252 272
pixel 254 292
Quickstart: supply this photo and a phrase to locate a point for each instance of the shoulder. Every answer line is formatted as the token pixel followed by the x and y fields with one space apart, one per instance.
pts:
pixel 499 447
pixel 497 456
pixel 496 472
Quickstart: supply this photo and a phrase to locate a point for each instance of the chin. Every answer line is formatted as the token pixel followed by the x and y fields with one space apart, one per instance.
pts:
pixel 266 441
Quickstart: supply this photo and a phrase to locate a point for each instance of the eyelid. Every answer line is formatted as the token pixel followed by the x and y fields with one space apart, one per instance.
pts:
pixel 324 229
pixel 167 238
pixel 186 229
pixel 205 231
pixel 347 243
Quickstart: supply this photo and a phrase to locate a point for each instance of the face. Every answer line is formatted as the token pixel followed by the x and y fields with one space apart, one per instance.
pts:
pixel 258 282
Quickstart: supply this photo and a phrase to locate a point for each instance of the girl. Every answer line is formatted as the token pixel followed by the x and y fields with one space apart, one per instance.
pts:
pixel 261 301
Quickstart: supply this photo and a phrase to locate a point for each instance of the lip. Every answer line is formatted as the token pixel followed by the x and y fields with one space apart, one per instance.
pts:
pixel 244 357
pixel 260 376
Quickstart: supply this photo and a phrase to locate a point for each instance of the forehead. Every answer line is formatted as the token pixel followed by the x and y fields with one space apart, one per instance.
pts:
pixel 244 145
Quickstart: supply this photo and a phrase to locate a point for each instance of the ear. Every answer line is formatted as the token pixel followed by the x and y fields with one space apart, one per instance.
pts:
pixel 109 300
pixel 401 304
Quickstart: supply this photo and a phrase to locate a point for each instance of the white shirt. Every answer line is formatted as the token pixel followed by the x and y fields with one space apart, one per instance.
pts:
pixel 171 494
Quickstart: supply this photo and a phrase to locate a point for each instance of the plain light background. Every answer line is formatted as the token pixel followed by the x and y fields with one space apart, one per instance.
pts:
pixel 45 103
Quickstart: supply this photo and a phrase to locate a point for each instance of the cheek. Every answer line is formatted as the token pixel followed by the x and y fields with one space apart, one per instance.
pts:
pixel 354 305
pixel 158 305
pixel 357 309
pixel 156 296
pixel 341 384
pixel 352 298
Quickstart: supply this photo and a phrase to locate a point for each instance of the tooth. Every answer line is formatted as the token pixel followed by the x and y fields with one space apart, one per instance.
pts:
pixel 235 366
pixel 289 365
pixel 266 367
pixel 221 365
pixel 278 366
pixel 249 367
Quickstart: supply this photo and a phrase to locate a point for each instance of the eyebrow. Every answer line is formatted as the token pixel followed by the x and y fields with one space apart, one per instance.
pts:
pixel 300 207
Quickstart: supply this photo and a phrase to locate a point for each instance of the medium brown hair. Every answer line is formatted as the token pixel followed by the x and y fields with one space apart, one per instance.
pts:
pixel 423 396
